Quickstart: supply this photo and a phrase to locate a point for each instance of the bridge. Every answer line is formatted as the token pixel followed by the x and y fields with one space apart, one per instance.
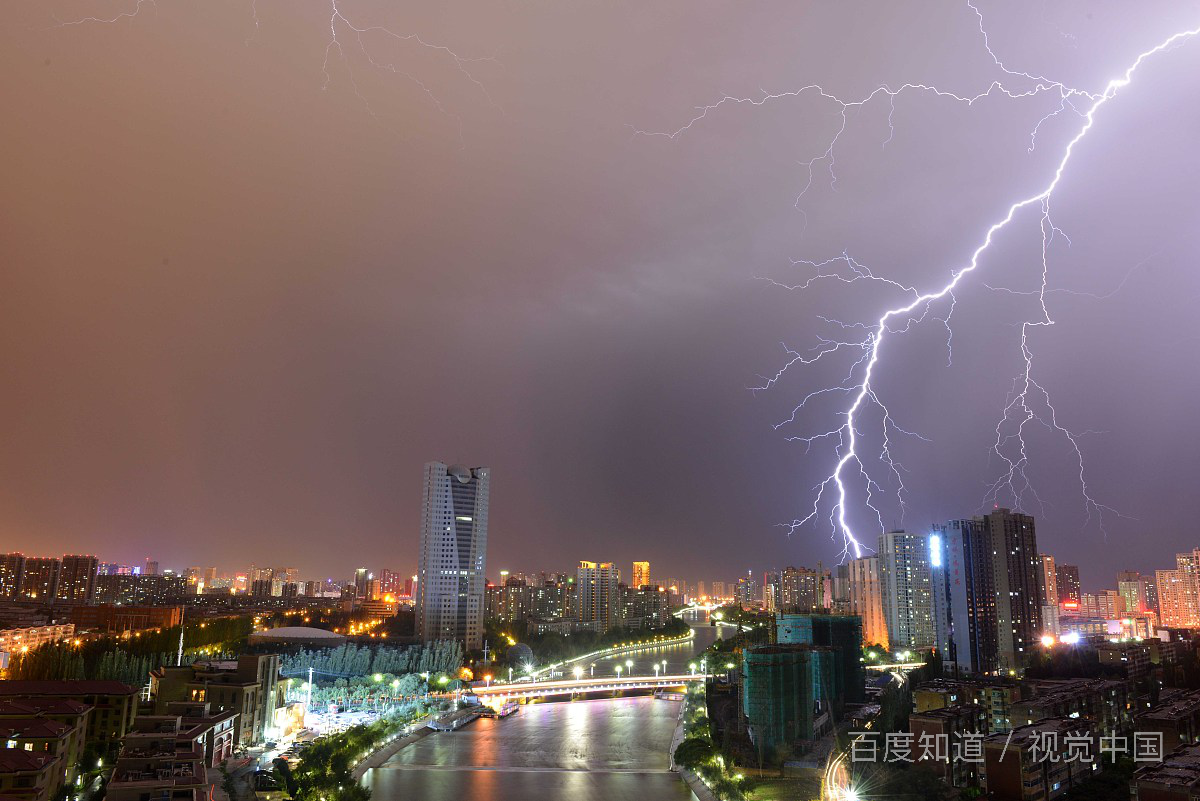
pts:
pixel 581 686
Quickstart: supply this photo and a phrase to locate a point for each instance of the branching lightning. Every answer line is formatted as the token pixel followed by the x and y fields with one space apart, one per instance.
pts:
pixel 344 34
pixel 1029 402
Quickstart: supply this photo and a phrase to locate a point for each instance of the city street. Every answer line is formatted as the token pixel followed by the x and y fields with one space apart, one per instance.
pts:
pixel 609 750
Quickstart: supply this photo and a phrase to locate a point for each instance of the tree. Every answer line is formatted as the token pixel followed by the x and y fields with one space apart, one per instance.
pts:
pixel 693 752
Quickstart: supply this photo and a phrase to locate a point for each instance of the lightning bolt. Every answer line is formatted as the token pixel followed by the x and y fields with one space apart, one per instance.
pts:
pixel 342 26
pixel 1029 402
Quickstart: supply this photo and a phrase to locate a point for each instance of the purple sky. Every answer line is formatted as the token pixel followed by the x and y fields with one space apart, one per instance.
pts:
pixel 240 308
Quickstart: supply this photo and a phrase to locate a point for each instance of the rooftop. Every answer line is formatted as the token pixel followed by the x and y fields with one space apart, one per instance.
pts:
pixel 17 689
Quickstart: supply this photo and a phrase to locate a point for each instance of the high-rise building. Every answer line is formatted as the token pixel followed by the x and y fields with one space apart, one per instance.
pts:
pixel 39 579
pixel 700 593
pixel 391 583
pixel 1178 593
pixel 906 589
pixel 1018 586
pixel 799 589
pixel 1132 591
pixel 719 590
pixel 641 575
pixel 866 599
pixel 1049 580
pixel 151 567
pixel 1067 578
pixel 77 580
pixel 12 567
pixel 596 591
pixel 362 582
pixel 450 568
pixel 964 595
pixel 747 590
pixel 989 590
pixel 770 591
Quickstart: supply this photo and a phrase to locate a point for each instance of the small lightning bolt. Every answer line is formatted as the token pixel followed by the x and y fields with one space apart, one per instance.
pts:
pixel 342 25
pixel 1028 403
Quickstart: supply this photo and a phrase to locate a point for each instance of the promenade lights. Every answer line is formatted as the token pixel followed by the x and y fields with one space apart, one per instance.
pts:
pixel 618 671
pixel 578 671
pixel 692 668
pixel 629 664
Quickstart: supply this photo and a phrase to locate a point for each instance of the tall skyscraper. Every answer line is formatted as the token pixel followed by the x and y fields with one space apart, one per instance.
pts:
pixel 77 581
pixel 906 589
pixel 988 590
pixel 964 595
pixel 641 575
pixel 866 599
pixel 1067 579
pixel 450 566
pixel 1049 580
pixel 1018 585
pixel 596 591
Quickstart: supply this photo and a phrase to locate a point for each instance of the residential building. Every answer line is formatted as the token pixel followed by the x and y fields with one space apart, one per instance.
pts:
pixel 77 579
pixel 1176 716
pixel 12 569
pixel 596 590
pixel 799 590
pixel 641 575
pixel 27 638
pixel 43 735
pixel 249 687
pixel 1038 762
pixel 906 589
pixel 39 578
pixel 1104 703
pixel 865 592
pixel 949 725
pixel 140 590
pixel 451 563
pixel 114 704
pixel 1176 778
pixel 1178 592
pixel 996 696
pixel 1067 581
pixel 1049 580
pixel 30 776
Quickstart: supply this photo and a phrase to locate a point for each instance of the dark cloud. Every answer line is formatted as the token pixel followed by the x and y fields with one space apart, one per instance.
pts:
pixel 238 310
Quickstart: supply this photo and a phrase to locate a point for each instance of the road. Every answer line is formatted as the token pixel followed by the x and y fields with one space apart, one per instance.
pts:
pixel 678 656
pixel 606 750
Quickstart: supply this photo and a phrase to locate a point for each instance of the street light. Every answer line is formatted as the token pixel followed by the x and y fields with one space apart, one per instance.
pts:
pixel 692 668
pixel 618 671
pixel 629 664
pixel 578 671
pixel 592 670
pixel 656 667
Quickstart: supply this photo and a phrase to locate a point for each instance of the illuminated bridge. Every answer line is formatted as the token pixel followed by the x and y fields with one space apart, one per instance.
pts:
pixel 581 686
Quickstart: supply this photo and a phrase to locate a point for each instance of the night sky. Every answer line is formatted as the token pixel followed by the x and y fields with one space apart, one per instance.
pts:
pixel 243 300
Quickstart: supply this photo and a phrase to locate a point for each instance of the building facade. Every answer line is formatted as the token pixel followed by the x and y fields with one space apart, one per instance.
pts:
pixel 450 566
pixel 906 589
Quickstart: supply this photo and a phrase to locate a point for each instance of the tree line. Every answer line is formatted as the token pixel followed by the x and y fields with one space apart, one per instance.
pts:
pixel 348 659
